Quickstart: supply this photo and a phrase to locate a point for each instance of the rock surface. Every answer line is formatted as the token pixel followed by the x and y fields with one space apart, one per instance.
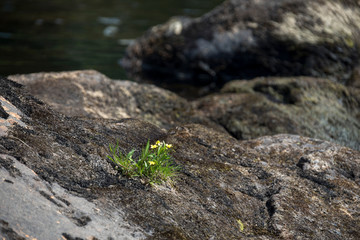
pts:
pixel 311 107
pixel 306 106
pixel 279 187
pixel 243 39
pixel 91 94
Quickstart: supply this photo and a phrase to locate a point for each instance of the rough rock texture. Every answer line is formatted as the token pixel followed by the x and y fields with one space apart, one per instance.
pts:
pixel 311 107
pixel 280 187
pixel 91 94
pixel 243 39
pixel 306 106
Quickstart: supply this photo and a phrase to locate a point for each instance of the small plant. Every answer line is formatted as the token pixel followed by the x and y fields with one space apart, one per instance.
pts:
pixel 154 164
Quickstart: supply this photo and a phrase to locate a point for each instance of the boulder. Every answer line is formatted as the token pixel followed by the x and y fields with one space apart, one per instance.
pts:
pixel 56 181
pixel 305 106
pixel 242 39
pixel 89 93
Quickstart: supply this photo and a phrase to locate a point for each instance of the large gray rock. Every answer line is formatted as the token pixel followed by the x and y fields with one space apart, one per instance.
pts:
pixel 243 39
pixel 56 181
pixel 311 107
pixel 89 93
pixel 306 106
pixel 32 208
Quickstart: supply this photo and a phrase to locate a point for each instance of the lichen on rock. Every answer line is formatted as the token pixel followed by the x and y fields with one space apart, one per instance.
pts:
pixel 265 157
pixel 283 186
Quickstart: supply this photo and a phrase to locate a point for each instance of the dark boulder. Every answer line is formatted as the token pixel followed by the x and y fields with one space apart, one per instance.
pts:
pixel 305 106
pixel 55 181
pixel 242 39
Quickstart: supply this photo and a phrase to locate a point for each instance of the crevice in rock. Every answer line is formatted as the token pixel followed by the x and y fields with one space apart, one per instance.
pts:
pixel 8 165
pixel 8 181
pixel 82 221
pixel 318 180
pixel 79 218
pixel 313 176
pixel 270 203
pixel 50 198
pixel 7 232
pixel 270 207
pixel 302 161
pixel 67 236
pixel 3 113
pixel 316 177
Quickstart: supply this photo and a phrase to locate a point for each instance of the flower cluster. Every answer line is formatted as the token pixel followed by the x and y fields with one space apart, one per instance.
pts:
pixel 154 164
pixel 160 144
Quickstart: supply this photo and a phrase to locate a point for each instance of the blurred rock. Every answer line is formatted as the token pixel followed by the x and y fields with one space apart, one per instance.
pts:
pixel 245 39
pixel 305 106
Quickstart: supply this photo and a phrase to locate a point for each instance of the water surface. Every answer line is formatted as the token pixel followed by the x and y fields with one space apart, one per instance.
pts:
pixel 59 35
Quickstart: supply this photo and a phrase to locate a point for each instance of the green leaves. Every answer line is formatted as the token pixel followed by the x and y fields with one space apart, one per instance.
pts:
pixel 154 165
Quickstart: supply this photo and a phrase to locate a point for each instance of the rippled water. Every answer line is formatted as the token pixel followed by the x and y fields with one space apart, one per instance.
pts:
pixel 58 35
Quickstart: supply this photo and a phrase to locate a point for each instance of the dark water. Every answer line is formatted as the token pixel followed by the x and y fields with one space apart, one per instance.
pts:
pixel 58 35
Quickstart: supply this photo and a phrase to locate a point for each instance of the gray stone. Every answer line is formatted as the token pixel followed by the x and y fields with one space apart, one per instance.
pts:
pixel 40 210
pixel 243 39
pixel 305 106
pixel 91 94
pixel 274 187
